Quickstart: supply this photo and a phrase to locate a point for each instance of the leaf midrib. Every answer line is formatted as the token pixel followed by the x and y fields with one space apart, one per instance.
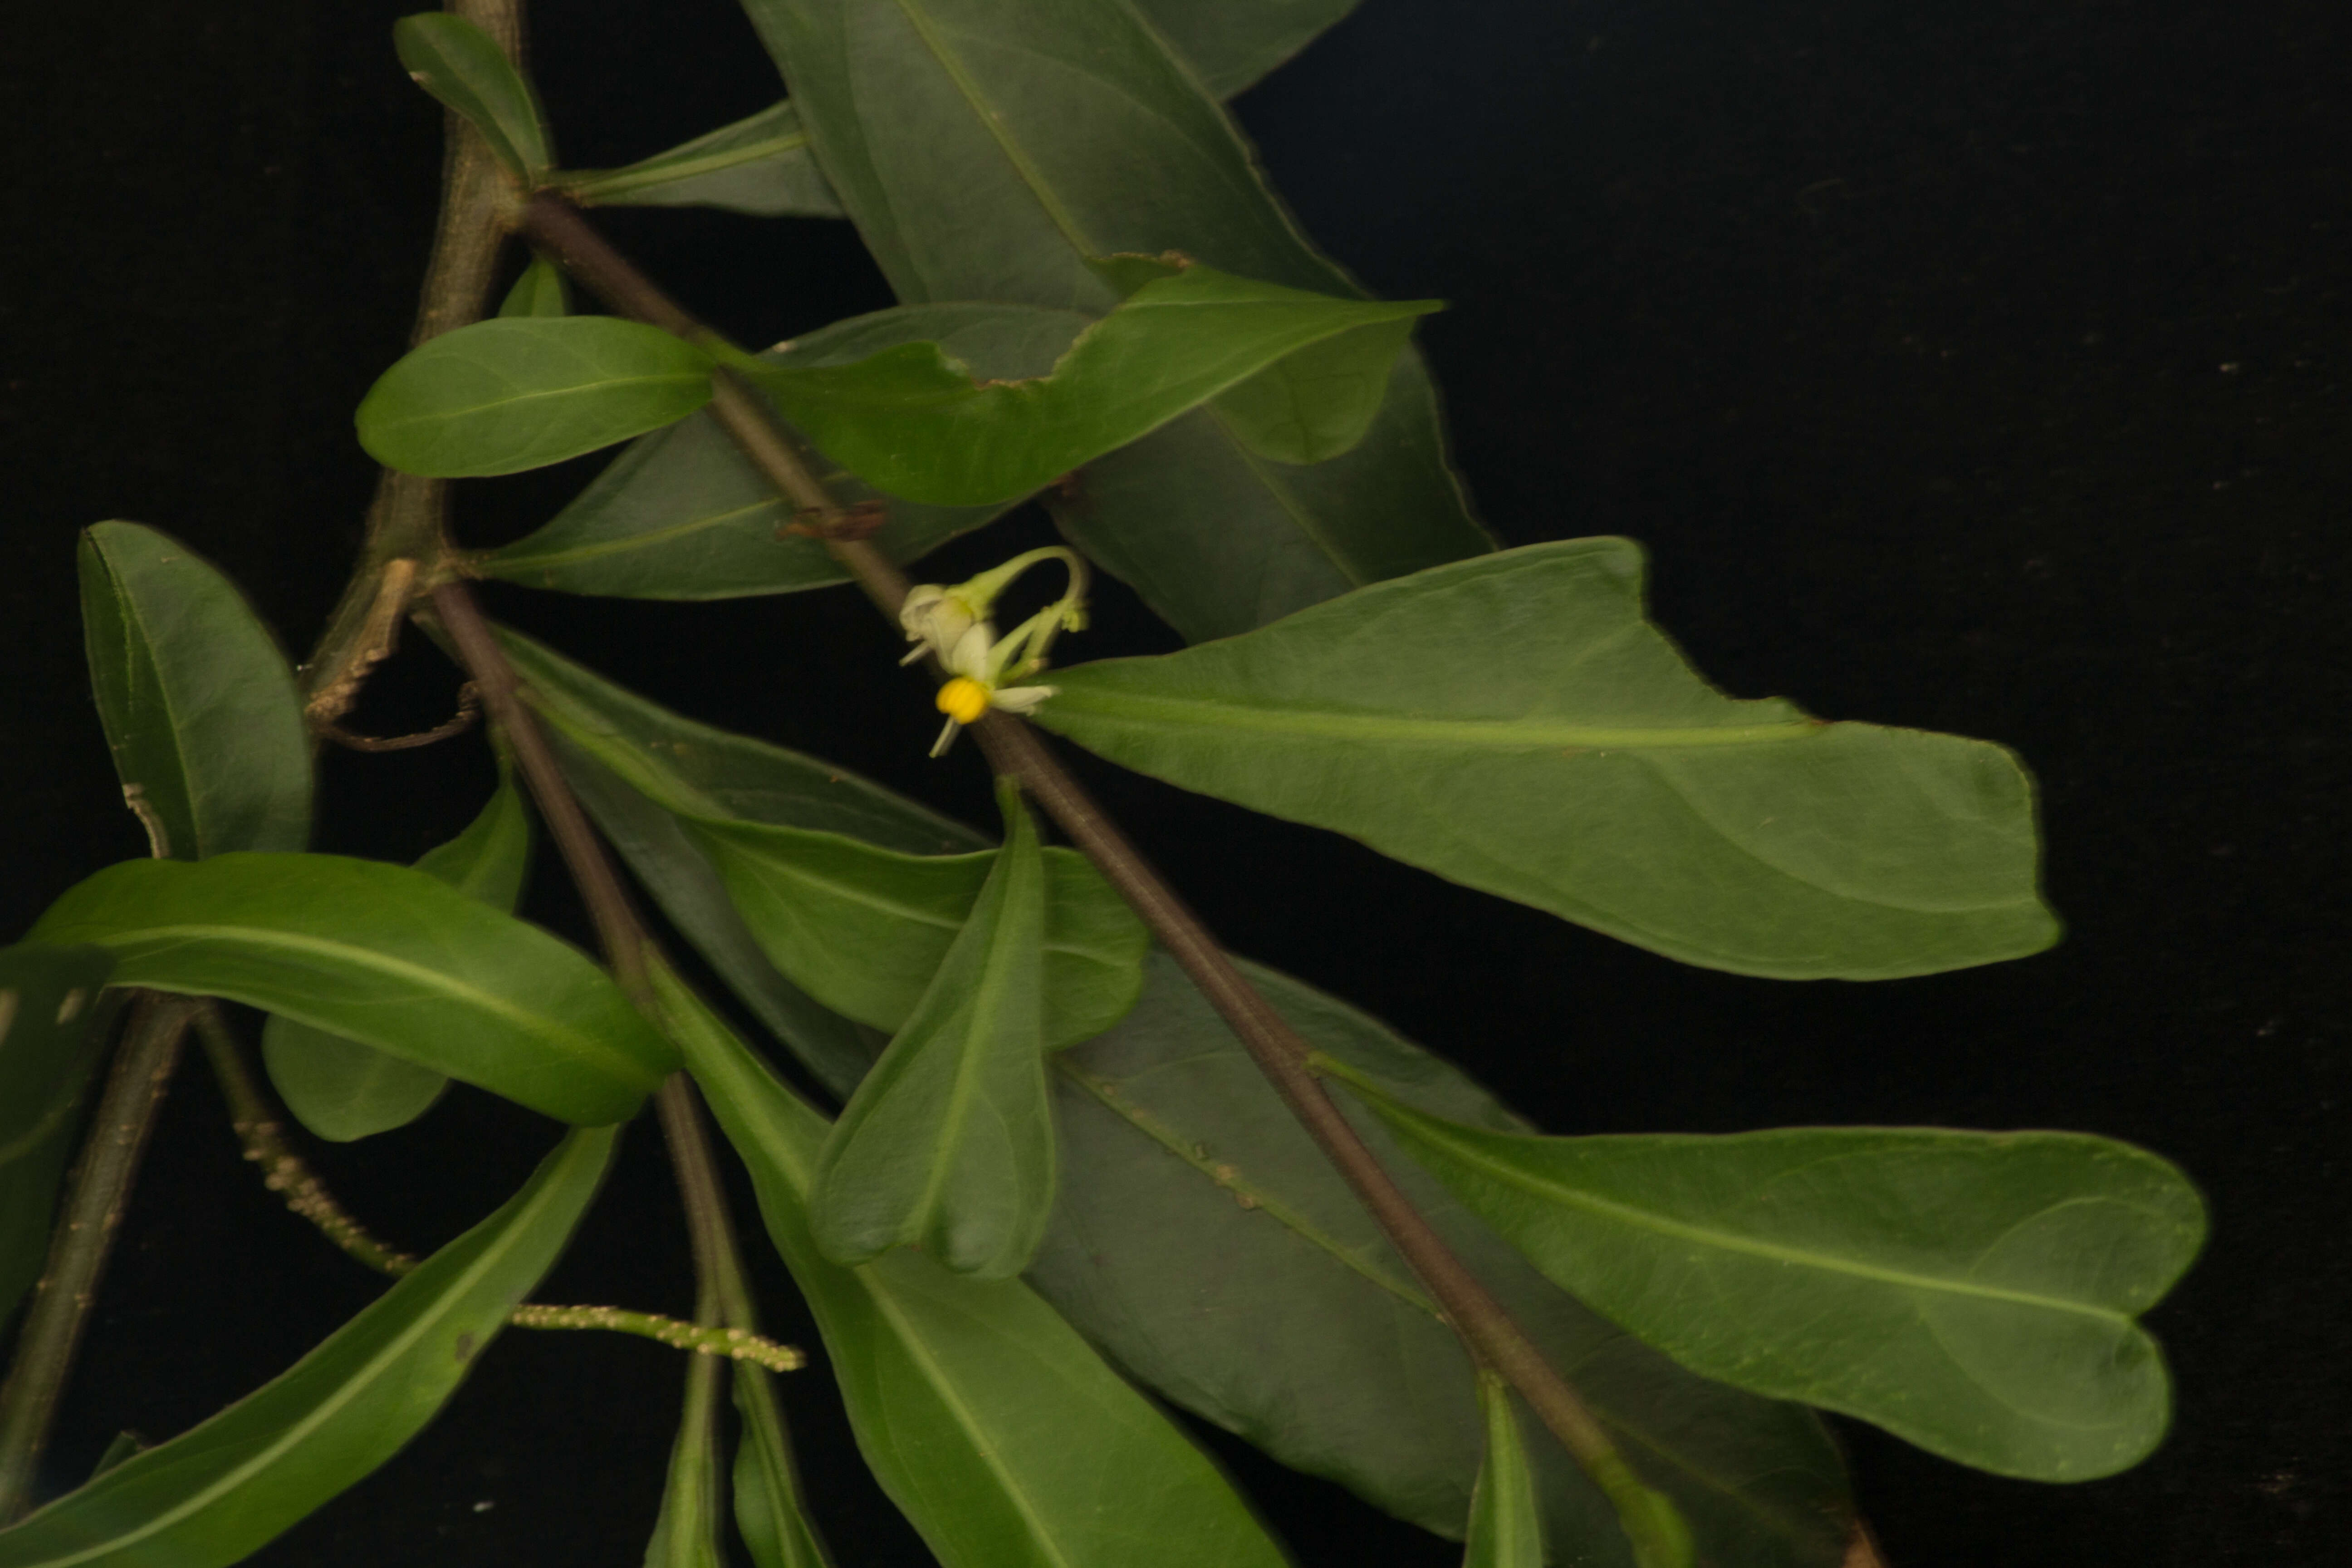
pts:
pixel 535 1024
pixel 444 415
pixel 1498 735
pixel 1685 1230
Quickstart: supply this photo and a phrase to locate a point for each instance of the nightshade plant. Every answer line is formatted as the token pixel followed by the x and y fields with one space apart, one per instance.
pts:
pixel 1028 1141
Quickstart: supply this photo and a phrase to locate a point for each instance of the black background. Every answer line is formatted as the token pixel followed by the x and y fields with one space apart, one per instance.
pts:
pixel 1974 366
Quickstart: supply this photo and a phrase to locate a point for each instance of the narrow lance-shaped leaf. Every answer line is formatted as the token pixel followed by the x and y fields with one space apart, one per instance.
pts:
pixel 1972 1292
pixel 384 954
pixel 48 1003
pixel 997 1429
pixel 221 1490
pixel 1506 1530
pixel 612 743
pixel 1233 1271
pixel 768 1509
pixel 863 929
pixel 686 1533
pixel 341 1089
pixel 683 514
pixel 1513 723
pixel 987 152
pixel 948 1143
pixel 917 424
pixel 501 396
pixel 198 703
pixel 540 291
pixel 462 66
pixel 761 165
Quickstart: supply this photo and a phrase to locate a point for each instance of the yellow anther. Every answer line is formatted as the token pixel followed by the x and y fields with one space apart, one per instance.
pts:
pixel 963 699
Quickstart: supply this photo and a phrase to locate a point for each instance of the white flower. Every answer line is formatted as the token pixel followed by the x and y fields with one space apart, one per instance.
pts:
pixel 985 670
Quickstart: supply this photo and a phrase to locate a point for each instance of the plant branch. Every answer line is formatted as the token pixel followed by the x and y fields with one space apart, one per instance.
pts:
pixel 405 540
pixel 618 929
pixel 95 1201
pixel 1493 1338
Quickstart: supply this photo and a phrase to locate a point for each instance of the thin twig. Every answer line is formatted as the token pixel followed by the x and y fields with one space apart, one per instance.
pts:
pixel 618 929
pixel 286 1173
pixel 408 523
pixel 263 1137
pixel 1492 1336
pixel 95 1201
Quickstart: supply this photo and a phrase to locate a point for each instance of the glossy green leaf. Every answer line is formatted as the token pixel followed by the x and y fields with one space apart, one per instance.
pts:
pixel 1205 1244
pixel 384 954
pixel 917 424
pixel 995 1427
pixel 987 151
pixel 462 66
pixel 948 1143
pixel 761 165
pixel 1230 44
pixel 501 396
pixel 686 1533
pixel 1973 1293
pixel 613 744
pixel 540 291
pixel 48 1002
pixel 682 514
pixel 198 703
pixel 341 1089
pixel 1506 1524
pixel 863 930
pixel 1513 724
pixel 768 1509
pixel 222 1489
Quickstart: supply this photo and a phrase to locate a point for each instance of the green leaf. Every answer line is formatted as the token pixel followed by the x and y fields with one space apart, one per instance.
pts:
pixel 686 1533
pixel 198 704
pixel 918 424
pixel 768 1511
pixel 987 152
pixel 48 1002
pixel 1230 44
pixel 223 1489
pixel 1513 724
pixel 761 165
pixel 948 1143
pixel 1318 403
pixel 1505 1528
pixel 1219 540
pixel 501 396
pixel 996 1428
pixel 683 515
pixel 341 1089
pixel 863 930
pixel 462 66
pixel 540 291
pixel 1205 1244
pixel 384 954
pixel 613 744
pixel 1972 1292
